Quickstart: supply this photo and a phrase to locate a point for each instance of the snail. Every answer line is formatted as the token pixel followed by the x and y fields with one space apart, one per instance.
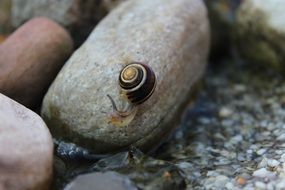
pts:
pixel 137 82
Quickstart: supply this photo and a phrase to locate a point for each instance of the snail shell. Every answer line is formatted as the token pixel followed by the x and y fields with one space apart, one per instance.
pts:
pixel 137 81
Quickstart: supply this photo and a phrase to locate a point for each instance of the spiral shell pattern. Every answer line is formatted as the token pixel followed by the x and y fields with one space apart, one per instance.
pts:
pixel 137 81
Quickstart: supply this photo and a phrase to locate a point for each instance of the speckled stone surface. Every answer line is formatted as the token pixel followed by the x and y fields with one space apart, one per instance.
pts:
pixel 26 148
pixel 260 32
pixel 170 36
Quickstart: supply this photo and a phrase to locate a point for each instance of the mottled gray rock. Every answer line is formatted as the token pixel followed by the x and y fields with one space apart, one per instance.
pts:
pixel 5 17
pixel 260 32
pixel 99 181
pixel 26 148
pixel 78 16
pixel 31 58
pixel 172 37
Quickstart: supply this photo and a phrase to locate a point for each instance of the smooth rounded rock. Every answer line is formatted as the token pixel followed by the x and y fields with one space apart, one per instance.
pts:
pixel 260 32
pixel 31 58
pixel 77 16
pixel 171 37
pixel 99 181
pixel 26 148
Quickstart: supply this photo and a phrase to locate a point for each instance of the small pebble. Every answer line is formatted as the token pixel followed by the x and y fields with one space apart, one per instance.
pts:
pixel 261 151
pixel 260 185
pixel 282 158
pixel 263 163
pixel 241 180
pixel 272 163
pixel 281 137
pixel 221 181
pixel 225 112
pixel 263 173
pixel 280 185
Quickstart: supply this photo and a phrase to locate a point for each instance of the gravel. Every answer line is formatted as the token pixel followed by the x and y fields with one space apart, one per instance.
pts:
pixel 234 136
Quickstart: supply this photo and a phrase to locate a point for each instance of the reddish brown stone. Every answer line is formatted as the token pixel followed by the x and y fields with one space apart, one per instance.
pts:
pixel 31 58
pixel 26 148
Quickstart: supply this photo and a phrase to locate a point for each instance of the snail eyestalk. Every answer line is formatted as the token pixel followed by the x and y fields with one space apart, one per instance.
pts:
pixel 122 117
pixel 125 112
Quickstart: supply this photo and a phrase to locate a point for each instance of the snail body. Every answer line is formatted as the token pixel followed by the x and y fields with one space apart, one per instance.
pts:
pixel 137 82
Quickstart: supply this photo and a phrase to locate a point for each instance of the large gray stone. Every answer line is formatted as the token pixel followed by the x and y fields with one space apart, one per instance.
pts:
pixel 78 16
pixel 260 32
pixel 26 148
pixel 170 36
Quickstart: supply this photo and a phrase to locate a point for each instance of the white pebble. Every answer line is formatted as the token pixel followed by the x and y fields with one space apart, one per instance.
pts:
pixel 221 181
pixel 261 151
pixel 225 112
pixel 272 163
pixel 212 173
pixel 263 163
pixel 231 186
pixel 249 151
pixel 260 185
pixel 280 185
pixel 281 137
pixel 263 173
pixel 282 158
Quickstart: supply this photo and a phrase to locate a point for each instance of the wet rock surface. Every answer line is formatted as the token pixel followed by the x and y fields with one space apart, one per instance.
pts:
pixel 76 107
pixel 31 58
pixel 78 16
pixel 26 146
pixel 260 32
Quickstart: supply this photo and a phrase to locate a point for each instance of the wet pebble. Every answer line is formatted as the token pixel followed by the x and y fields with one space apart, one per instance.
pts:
pixel 263 173
pixel 31 58
pixel 272 163
pixel 225 112
pixel 98 181
pixel 260 185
